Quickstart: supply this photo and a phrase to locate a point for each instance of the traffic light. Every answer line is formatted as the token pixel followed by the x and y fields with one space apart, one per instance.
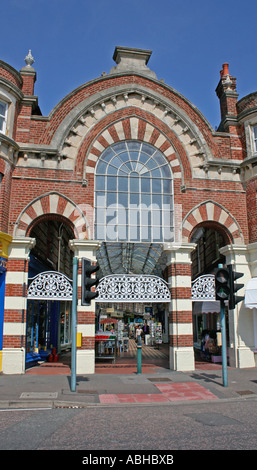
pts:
pixel 87 282
pixel 226 287
pixel 234 299
pixel 222 283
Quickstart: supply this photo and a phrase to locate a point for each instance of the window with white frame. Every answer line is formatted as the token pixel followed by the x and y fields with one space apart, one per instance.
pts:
pixel 133 194
pixel 255 138
pixel 3 116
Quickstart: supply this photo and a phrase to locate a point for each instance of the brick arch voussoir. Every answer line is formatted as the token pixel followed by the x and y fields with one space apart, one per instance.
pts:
pixel 108 125
pixel 210 213
pixel 50 205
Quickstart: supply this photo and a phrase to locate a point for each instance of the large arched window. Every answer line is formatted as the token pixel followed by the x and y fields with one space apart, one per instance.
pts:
pixel 133 194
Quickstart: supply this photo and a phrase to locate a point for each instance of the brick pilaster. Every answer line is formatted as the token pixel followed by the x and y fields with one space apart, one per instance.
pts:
pixel 16 305
pixel 180 309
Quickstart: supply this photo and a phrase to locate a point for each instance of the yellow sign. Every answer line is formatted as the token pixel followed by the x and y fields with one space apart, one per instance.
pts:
pixel 79 340
pixel 5 241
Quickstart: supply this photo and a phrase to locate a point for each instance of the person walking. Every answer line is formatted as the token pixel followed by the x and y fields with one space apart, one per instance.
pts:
pixel 139 332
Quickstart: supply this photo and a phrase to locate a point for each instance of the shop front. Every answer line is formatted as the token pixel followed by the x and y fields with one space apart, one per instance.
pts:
pixel 48 330
pixel 49 307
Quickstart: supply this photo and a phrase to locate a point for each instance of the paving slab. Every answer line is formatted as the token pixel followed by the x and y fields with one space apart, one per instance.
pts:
pixel 161 386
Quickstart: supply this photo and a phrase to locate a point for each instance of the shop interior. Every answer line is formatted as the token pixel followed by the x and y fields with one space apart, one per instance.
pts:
pixel 207 331
pixel 117 326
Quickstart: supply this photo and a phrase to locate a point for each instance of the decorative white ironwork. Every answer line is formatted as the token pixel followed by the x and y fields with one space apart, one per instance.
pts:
pixel 132 288
pixel 203 288
pixel 50 285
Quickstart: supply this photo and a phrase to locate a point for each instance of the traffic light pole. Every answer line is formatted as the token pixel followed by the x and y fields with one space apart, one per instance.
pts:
pixel 224 343
pixel 226 288
pixel 74 325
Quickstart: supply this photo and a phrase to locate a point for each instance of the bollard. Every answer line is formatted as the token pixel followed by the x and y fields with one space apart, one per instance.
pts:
pixel 139 356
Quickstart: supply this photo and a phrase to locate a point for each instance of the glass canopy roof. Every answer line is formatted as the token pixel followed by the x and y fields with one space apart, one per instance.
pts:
pixel 129 258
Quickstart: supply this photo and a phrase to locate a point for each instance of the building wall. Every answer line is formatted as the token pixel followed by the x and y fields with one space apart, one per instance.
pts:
pixel 48 165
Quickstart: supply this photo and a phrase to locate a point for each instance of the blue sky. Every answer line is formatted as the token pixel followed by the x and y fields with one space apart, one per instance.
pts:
pixel 73 42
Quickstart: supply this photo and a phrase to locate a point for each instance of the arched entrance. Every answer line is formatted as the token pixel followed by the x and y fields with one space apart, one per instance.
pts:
pixel 49 294
pixel 209 238
pixel 125 303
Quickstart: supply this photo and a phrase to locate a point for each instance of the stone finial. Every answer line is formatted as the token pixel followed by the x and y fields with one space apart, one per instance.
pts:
pixel 29 59
pixel 132 60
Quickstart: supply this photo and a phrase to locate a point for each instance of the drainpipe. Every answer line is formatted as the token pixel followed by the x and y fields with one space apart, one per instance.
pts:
pixel 59 246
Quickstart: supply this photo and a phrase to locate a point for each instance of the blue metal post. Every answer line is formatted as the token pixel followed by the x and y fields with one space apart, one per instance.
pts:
pixel 139 355
pixel 224 340
pixel 74 325
pixel 224 344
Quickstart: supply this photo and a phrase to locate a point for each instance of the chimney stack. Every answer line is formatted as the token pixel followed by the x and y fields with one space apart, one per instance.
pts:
pixel 227 94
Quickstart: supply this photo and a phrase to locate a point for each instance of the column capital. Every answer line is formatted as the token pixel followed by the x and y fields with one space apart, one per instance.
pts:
pixel 179 252
pixel 20 247
pixel 84 248
pixel 235 254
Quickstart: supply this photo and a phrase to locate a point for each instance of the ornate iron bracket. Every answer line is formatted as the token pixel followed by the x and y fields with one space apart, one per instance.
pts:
pixel 203 288
pixel 50 285
pixel 133 288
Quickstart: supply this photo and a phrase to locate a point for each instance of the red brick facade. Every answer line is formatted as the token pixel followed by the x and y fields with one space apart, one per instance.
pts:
pixel 47 165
